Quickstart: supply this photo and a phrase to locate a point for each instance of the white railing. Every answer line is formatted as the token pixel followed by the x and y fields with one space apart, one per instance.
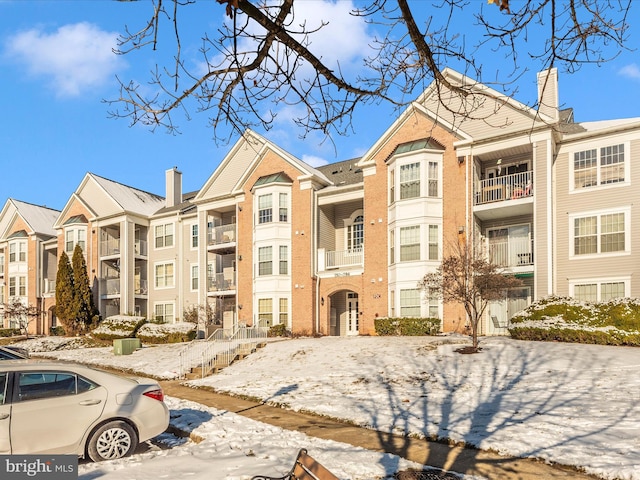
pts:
pixel 507 187
pixel 220 349
pixel 222 281
pixel 514 252
pixel 49 286
pixel 344 258
pixel 222 234
pixel 110 286
pixel 110 246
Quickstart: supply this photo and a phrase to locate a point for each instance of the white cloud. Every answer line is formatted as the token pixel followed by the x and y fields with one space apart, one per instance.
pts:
pixel 314 161
pixel 630 71
pixel 72 59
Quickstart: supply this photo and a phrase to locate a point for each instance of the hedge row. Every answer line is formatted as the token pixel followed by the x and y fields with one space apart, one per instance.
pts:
pixel 9 332
pixel 407 326
pixel 571 335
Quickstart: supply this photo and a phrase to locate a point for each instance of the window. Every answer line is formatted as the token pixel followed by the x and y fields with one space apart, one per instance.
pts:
pixel 265 261
pixel 284 311
pixel 22 286
pixel 410 243
pixel 410 302
pixel 392 247
pixel 265 311
pixel 164 275
pixel 284 260
pixel 409 181
pixel 433 242
pixel 392 303
pixel 265 210
pixel 392 187
pixel 603 233
pixel 12 287
pixel 432 179
pixel 18 251
pixel 17 286
pixel 73 237
pixel 48 384
pixel 194 236
pixel 284 207
pixel 164 235
pixel 1 263
pixel 601 166
pixel 164 312
pixel 599 291
pixel 433 306
pixel 194 277
pixel 355 233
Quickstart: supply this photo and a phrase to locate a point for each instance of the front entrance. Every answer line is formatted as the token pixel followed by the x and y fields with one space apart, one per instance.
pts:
pixel 352 314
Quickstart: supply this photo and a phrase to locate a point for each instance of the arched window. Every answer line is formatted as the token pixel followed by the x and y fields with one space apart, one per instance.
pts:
pixel 355 233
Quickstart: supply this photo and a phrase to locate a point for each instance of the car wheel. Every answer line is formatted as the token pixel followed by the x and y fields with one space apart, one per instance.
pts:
pixel 112 440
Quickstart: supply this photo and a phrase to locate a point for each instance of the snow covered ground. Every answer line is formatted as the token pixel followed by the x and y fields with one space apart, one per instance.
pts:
pixel 566 403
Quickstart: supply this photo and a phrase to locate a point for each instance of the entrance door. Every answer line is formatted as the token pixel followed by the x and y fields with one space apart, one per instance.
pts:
pixel 352 314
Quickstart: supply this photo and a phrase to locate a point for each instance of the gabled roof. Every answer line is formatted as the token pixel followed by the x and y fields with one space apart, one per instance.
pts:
pixel 39 219
pixel 343 173
pixel 183 207
pixel 129 198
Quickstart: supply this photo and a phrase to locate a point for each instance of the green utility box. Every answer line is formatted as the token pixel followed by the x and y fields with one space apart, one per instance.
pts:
pixel 125 346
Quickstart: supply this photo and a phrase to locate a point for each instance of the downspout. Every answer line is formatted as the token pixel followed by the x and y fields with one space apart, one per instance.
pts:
pixel 314 257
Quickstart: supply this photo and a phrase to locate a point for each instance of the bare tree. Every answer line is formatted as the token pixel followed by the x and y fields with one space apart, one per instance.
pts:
pixel 21 313
pixel 467 276
pixel 262 55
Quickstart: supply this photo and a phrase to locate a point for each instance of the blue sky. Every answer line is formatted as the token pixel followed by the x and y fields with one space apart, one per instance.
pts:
pixel 56 68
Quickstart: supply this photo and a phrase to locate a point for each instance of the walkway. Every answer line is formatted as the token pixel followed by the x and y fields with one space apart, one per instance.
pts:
pixel 453 458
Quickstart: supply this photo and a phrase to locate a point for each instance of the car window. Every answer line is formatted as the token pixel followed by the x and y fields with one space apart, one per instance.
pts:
pixel 37 385
pixel 85 385
pixel 3 387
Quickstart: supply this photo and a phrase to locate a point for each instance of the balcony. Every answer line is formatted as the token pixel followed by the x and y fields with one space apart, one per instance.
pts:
pixel 511 253
pixel 222 234
pixel 49 286
pixel 141 286
pixel 110 286
pixel 110 247
pixel 221 282
pixel 140 248
pixel 507 187
pixel 335 259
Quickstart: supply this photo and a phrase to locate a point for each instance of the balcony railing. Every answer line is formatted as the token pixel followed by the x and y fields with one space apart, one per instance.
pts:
pixel 222 234
pixel 218 282
pixel 344 258
pixel 110 247
pixel 141 286
pixel 507 187
pixel 140 247
pixel 110 286
pixel 514 252
pixel 49 286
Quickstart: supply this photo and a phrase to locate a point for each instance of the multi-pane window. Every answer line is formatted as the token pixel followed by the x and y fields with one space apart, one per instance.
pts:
pixel 284 311
pixel 265 311
pixel 433 242
pixel 18 286
pixel 1 263
pixel 265 208
pixel 355 233
pixel 194 277
pixel 18 251
pixel 410 302
pixel 433 305
pixel 265 261
pixel 284 207
pixel 599 291
pixel 410 243
pixel 194 236
pixel 392 187
pixel 409 181
pixel 164 275
pixel 392 303
pixel 164 235
pixel 12 287
pixel 392 247
pixel 599 234
pixel 432 179
pixel 284 260
pixel 73 237
pixel 164 312
pixel 601 166
pixel 22 286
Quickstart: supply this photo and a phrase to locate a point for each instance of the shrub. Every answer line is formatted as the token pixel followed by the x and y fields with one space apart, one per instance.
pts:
pixel 279 330
pixel 407 326
pixel 57 331
pixel 118 326
pixel 167 332
pixel 9 332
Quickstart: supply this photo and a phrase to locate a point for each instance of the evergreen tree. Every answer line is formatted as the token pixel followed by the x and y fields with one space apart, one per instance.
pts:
pixel 83 296
pixel 65 304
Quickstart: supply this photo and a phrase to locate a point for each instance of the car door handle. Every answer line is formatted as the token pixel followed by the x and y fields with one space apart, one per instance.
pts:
pixel 3 416
pixel 90 402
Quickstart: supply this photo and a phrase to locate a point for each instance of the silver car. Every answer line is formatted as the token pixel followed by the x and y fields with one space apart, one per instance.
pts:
pixel 63 408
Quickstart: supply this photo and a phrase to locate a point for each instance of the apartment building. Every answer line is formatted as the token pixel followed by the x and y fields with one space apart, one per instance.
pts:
pixel 327 250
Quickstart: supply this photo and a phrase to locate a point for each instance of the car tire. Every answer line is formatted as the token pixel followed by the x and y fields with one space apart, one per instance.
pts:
pixel 112 440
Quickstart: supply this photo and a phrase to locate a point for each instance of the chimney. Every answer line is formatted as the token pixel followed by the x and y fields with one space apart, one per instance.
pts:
pixel 173 187
pixel 548 102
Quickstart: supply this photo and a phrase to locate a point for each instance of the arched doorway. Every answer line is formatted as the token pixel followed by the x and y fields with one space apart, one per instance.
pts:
pixel 344 313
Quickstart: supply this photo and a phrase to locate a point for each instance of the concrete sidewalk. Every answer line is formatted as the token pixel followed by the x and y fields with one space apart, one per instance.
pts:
pixel 452 458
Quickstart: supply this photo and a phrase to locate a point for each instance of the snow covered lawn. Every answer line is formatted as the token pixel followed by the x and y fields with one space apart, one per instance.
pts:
pixel 567 403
